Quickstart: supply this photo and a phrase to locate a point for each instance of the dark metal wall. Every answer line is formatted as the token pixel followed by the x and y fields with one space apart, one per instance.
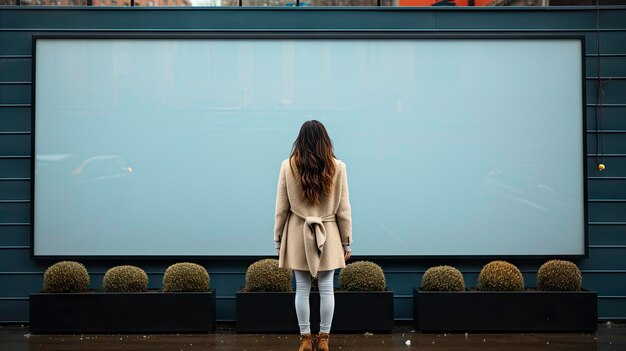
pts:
pixel 604 270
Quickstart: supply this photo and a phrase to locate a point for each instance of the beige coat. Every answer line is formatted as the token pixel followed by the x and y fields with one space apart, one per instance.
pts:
pixel 311 237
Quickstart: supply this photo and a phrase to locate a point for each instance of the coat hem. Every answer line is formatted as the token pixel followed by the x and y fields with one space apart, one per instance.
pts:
pixel 308 270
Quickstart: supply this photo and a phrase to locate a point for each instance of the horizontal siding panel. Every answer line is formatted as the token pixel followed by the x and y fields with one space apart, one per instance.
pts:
pixel 609 66
pixel 18 69
pixel 15 42
pixel 229 284
pixel 222 18
pixel 607 188
pixel 14 212
pixel 606 284
pixel 403 308
pixel 613 117
pixel 611 234
pixel 607 211
pixel 18 260
pixel 401 283
pixel 13 310
pixel 14 144
pixel 515 20
pixel 19 42
pixel 612 143
pixel 14 168
pixel 226 309
pixel 14 93
pixel 15 190
pixel 573 19
pixel 14 235
pixel 608 308
pixel 614 91
pixel 603 259
pixel 14 119
pixel 615 166
pixel 610 42
pixel 488 18
pixel 20 285
pixel 612 19
pixel 70 19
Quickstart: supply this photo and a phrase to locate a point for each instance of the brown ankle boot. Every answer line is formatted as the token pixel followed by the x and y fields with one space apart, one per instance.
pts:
pixel 306 342
pixel 322 341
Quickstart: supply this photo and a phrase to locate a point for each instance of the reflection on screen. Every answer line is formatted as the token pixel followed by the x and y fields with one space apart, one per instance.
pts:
pixel 172 146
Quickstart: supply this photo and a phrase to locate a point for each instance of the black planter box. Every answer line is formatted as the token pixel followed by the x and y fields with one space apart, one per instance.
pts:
pixel 507 311
pixel 142 312
pixel 355 311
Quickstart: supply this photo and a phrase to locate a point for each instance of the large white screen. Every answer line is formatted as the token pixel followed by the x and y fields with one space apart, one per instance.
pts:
pixel 171 147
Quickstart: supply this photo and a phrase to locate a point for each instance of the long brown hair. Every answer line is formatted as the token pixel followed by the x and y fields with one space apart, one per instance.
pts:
pixel 313 154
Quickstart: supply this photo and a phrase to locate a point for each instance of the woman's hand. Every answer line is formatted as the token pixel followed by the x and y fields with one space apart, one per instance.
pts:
pixel 346 256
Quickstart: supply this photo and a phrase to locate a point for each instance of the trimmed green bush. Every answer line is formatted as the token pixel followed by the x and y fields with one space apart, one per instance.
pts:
pixel 362 276
pixel 186 276
pixel 443 278
pixel 125 279
pixel 265 275
pixel 66 277
pixel 558 275
pixel 500 276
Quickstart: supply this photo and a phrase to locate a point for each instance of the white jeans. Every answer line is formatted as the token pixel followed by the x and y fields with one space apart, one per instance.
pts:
pixel 327 299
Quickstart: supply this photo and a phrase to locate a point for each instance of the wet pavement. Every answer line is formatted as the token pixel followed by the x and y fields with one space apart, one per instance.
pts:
pixel 608 337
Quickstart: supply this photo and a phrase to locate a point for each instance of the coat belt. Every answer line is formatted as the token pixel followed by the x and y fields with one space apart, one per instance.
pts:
pixel 314 238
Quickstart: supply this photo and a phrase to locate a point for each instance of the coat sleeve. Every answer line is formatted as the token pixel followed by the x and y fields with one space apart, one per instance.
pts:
pixel 282 207
pixel 344 212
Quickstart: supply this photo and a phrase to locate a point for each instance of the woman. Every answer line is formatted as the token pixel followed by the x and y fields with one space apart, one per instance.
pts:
pixel 313 228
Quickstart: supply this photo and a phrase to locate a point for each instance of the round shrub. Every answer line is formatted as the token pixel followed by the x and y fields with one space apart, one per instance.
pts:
pixel 265 275
pixel 186 276
pixel 443 278
pixel 362 276
pixel 125 279
pixel 558 275
pixel 500 276
pixel 66 277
